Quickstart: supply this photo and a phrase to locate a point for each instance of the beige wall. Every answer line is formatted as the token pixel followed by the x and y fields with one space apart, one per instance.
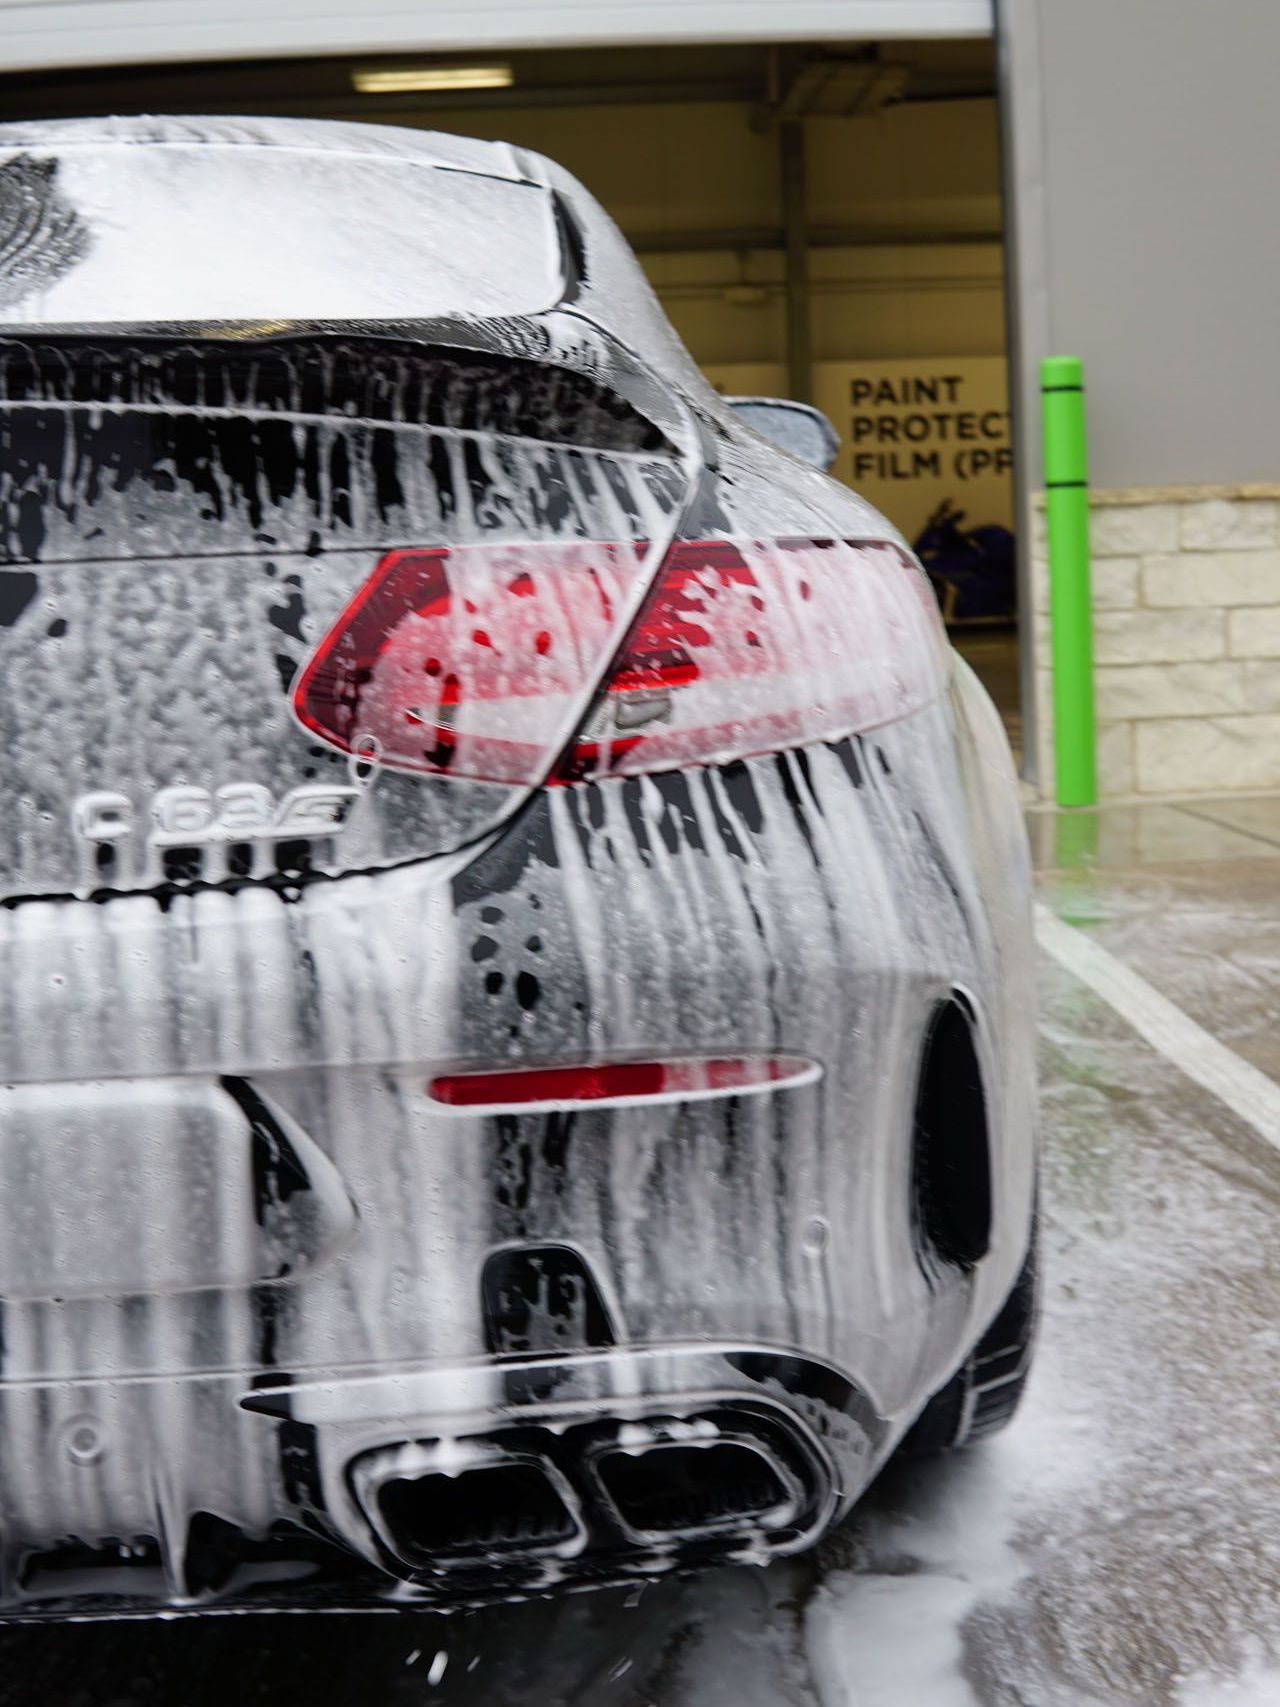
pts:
pixel 867 303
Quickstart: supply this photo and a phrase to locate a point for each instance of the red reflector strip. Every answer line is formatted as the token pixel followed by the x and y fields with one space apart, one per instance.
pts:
pixel 621 1082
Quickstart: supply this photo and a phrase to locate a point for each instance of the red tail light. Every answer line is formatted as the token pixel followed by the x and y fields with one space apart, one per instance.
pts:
pixel 472 661
pixel 469 660
pixel 751 646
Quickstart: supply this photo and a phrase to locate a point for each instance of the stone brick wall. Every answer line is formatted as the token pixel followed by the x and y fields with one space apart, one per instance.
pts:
pixel 1186 594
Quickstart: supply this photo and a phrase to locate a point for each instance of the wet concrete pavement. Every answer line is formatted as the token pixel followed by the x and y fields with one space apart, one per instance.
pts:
pixel 1118 1547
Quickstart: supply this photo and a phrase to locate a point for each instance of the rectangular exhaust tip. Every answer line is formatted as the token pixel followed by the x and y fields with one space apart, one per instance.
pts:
pixel 484 1515
pixel 682 1489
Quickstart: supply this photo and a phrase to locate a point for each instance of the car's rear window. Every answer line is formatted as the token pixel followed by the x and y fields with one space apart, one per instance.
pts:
pixel 106 232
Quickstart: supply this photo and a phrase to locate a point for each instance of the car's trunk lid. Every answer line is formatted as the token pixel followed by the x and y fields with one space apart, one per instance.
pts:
pixel 183 519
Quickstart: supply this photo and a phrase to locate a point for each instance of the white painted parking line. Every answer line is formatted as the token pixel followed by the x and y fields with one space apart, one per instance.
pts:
pixel 1245 1090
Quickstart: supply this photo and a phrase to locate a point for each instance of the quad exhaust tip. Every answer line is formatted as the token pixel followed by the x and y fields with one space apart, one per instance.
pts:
pixel 438 1507
pixel 495 1512
pixel 669 1490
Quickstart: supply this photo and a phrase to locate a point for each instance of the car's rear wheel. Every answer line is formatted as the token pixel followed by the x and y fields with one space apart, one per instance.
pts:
pixel 984 1392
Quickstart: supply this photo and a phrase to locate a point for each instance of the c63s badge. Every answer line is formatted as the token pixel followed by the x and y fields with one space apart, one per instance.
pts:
pixel 238 812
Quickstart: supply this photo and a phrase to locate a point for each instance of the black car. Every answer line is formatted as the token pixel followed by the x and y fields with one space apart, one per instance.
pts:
pixel 516 1028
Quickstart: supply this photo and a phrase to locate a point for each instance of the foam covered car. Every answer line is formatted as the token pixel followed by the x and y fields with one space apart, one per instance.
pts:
pixel 516 1034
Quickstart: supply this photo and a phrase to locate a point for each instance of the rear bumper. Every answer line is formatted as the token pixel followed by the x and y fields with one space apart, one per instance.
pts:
pixel 277 1195
pixel 783 1443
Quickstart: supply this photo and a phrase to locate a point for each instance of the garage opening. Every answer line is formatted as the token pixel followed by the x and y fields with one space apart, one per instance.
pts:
pixel 821 221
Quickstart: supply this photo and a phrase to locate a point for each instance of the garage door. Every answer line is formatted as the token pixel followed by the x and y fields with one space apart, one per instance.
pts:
pixel 45 33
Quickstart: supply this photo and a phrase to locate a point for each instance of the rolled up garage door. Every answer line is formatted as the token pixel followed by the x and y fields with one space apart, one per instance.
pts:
pixel 43 34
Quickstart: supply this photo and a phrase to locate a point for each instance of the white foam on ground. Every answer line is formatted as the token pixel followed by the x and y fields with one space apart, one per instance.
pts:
pixel 1253 1688
pixel 881 1637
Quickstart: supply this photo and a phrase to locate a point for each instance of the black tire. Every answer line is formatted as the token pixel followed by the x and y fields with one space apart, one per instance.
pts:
pixel 984 1392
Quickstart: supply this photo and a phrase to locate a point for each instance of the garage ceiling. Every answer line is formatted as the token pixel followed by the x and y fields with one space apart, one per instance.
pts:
pixel 48 34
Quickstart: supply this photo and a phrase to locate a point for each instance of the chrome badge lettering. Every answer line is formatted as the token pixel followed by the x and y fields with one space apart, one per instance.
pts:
pixel 183 816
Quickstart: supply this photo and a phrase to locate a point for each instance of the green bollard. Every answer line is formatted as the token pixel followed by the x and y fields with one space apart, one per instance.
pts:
pixel 1066 479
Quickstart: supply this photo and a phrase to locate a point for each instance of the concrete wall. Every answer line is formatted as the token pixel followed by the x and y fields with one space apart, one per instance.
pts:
pixel 1146 136
pixel 1143 136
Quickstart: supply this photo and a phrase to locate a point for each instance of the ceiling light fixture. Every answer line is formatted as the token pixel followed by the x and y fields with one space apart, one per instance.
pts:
pixel 424 79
